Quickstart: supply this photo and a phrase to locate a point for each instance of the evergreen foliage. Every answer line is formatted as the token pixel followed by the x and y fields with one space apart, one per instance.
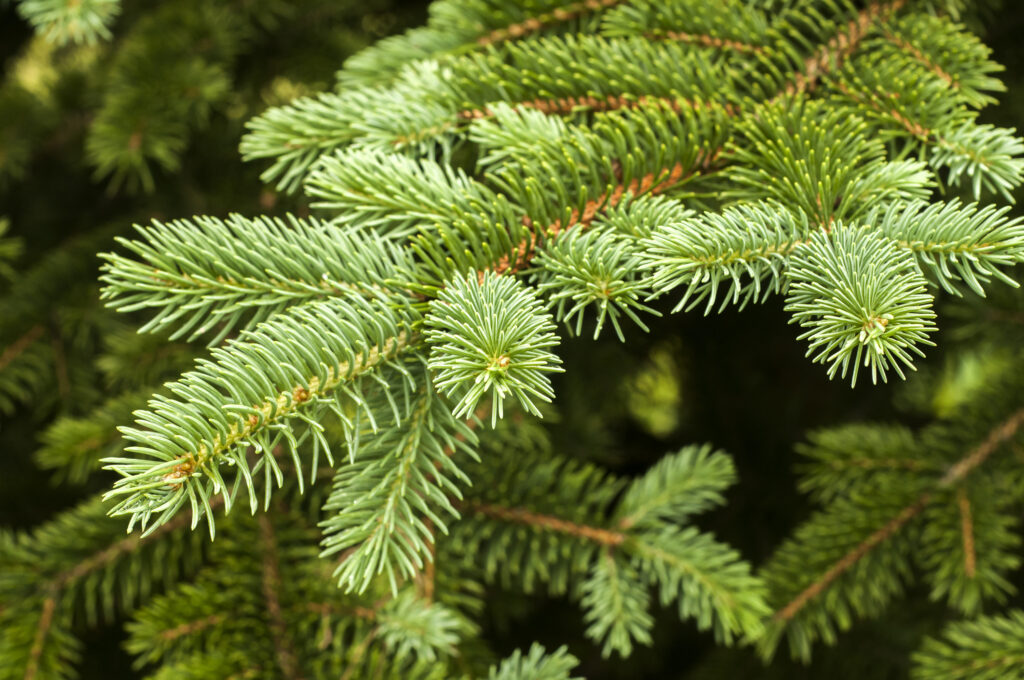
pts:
pixel 474 183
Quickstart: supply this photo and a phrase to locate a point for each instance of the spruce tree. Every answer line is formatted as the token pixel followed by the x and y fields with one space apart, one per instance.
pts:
pixel 380 386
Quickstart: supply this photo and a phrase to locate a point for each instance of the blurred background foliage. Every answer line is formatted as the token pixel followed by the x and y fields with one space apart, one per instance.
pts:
pixel 95 136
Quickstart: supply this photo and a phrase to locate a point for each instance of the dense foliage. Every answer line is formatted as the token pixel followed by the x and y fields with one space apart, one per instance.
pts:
pixel 469 363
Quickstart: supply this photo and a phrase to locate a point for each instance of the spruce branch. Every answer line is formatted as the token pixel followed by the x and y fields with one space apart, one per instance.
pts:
pixel 457 26
pixel 62 22
pixel 75 447
pixel 199 277
pixel 955 55
pixel 490 335
pixel 640 217
pixel 288 616
pixel 535 665
pixel 584 66
pixel 587 136
pixel 820 161
pixel 707 579
pixel 862 579
pixel 643 536
pixel 393 194
pixel 296 135
pixel 616 602
pixel 968 546
pixel 954 242
pixel 987 155
pixel 985 648
pixel 309 362
pixel 862 301
pixel 731 26
pixel 597 268
pixel 386 505
pixel 678 486
pixel 847 461
pixel 57 578
pixel 744 249
pixel 456 93
pixel 841 45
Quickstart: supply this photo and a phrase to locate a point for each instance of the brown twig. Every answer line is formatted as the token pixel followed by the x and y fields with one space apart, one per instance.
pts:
pixel 523 516
pixel 967 530
pixel 271 582
pixel 612 102
pixel 651 183
pixel 705 40
pixel 190 627
pixel 14 350
pixel 45 622
pixel 830 55
pixel 851 558
pixel 562 14
pixel 921 57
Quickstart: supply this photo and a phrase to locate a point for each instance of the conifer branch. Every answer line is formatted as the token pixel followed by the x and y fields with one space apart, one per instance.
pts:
pixel 651 184
pixel 851 558
pixel 195 274
pixel 562 14
pixel 286 402
pixel 536 665
pixel 111 553
pixel 54 589
pixel 433 285
pixel 913 128
pixel 832 54
pixel 956 473
pixel 987 647
pixel 77 22
pixel 926 61
pixel 309 374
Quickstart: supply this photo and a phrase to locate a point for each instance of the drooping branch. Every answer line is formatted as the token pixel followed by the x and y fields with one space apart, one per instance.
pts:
pixel 285 404
pixel 56 585
pixel 1000 434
